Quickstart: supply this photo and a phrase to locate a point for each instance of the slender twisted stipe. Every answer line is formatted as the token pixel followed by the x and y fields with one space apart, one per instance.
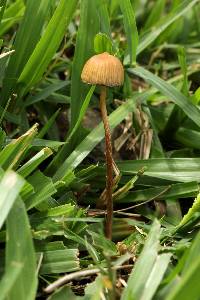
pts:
pixel 109 164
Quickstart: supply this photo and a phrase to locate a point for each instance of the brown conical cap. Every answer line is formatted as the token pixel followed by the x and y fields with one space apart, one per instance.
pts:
pixel 103 69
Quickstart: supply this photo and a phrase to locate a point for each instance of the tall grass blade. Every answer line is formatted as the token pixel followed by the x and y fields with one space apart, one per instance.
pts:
pixel 150 37
pixel 2 9
pixel 89 27
pixel 169 91
pixel 26 39
pixel 130 28
pixel 148 270
pixel 48 44
pixel 93 138
pixel 10 187
pixel 12 15
pixel 20 250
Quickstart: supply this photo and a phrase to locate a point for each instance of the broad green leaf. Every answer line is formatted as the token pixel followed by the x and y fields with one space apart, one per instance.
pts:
pixel 102 43
pixel 48 44
pixel 10 186
pixel 130 28
pixel 169 91
pixel 20 250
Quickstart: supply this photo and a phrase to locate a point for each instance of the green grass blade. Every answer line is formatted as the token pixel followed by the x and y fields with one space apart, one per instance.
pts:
pixel 20 250
pixel 188 137
pixel 169 91
pixel 130 28
pixel 144 266
pixel 93 138
pixel 2 9
pixel 195 208
pixel 82 112
pixel 148 38
pixel 10 156
pixel 183 64
pixel 9 116
pixel 45 93
pixel 34 162
pixel 102 10
pixel 178 190
pixel 26 39
pixel 157 10
pixel 12 15
pixel 48 44
pixel 8 280
pixel 89 27
pixel 188 285
pixel 44 189
pixel 175 169
pixel 193 254
pixel 60 261
pixel 40 143
pixel 48 125
pixel 10 187
pixel 59 157
pixel 156 276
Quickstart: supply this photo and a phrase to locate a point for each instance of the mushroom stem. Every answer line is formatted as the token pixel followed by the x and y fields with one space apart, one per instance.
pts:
pixel 109 163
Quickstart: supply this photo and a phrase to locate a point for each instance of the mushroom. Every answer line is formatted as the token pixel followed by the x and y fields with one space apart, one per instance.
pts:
pixel 105 70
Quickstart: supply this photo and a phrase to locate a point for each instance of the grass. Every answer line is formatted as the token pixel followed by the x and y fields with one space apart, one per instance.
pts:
pixel 52 165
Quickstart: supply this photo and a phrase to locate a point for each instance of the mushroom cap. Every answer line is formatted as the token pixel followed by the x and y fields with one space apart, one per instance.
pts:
pixel 103 69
